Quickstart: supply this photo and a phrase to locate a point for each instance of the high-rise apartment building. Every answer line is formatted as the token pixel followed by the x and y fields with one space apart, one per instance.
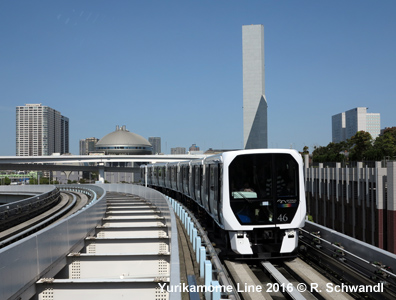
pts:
pixel 255 122
pixel 64 134
pixel 41 130
pixel 88 145
pixel 346 124
pixel 156 143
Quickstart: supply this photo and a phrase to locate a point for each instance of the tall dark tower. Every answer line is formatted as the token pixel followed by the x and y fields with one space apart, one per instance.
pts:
pixel 254 103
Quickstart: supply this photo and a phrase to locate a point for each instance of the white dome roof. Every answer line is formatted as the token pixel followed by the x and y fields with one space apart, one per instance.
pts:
pixel 123 141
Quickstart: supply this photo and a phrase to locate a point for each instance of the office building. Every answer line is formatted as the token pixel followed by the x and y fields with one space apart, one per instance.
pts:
pixel 88 145
pixel 254 102
pixel 41 130
pixel 178 150
pixel 156 143
pixel 346 124
pixel 338 128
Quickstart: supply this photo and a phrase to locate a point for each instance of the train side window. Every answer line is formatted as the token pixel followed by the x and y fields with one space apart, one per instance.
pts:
pixel 213 189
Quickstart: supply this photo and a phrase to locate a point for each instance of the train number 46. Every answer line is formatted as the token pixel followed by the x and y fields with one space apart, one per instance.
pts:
pixel 283 218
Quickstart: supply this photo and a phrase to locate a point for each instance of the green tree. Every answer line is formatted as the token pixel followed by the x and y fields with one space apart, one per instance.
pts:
pixel 360 147
pixel 333 152
pixel 392 131
pixel 33 180
pixel 385 145
pixel 95 175
pixel 319 154
pixel 361 144
pixel 44 180
pixel 5 181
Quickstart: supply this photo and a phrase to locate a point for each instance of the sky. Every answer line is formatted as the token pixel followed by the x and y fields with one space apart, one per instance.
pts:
pixel 173 69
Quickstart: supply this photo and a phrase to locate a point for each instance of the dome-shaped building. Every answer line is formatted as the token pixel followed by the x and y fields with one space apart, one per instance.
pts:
pixel 124 142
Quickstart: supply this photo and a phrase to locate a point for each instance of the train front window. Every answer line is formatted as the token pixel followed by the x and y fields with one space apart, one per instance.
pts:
pixel 264 188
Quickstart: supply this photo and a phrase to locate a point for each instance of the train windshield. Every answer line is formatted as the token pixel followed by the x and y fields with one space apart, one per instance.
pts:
pixel 264 188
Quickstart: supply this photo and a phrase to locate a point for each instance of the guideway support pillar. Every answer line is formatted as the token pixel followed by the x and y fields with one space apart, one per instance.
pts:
pixel 101 172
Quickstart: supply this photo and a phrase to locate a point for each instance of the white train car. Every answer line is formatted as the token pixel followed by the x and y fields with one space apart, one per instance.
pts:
pixel 252 202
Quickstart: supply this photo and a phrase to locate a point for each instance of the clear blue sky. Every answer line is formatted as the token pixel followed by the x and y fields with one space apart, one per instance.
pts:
pixel 174 68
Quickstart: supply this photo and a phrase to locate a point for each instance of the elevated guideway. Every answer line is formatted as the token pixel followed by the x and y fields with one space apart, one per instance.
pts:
pixel 94 158
pixel 125 243
pixel 90 163
pixel 119 244
pixel 17 204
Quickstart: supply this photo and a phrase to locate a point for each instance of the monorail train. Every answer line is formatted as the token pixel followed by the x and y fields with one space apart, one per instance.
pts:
pixel 251 202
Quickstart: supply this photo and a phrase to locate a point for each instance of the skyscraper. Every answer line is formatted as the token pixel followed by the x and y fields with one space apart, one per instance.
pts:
pixel 40 130
pixel 254 103
pixel 346 124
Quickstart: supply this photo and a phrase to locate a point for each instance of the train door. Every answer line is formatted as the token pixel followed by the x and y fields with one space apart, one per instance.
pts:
pixel 163 176
pixel 153 175
pixel 167 176
pixel 205 187
pixel 198 183
pixel 159 175
pixel 185 180
pixel 191 183
pixel 214 190
pixel 179 178
pixel 173 177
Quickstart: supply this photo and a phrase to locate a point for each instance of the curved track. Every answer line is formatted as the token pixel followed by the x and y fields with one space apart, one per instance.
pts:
pixel 69 203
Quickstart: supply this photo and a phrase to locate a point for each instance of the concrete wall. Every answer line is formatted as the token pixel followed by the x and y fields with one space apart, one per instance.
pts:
pixel 44 253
